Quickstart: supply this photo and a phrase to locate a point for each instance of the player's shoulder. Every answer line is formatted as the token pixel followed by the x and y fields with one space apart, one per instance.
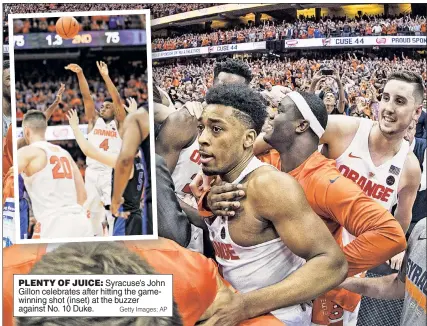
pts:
pixel 267 179
pixel 411 169
pixel 346 124
pixel 22 256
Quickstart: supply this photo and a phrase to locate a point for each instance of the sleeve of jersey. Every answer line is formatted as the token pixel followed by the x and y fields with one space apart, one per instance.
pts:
pixel 378 236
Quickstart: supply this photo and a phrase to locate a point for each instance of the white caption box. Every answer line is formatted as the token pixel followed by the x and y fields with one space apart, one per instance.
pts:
pixel 92 295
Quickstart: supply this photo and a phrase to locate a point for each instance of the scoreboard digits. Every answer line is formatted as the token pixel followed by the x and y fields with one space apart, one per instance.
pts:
pixel 112 37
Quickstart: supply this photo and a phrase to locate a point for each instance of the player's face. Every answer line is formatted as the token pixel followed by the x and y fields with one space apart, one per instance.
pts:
pixel 221 140
pixel 398 107
pixel 282 125
pixel 107 110
pixel 6 82
pixel 227 78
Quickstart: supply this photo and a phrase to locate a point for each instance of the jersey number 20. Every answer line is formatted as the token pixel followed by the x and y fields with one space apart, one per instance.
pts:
pixel 62 168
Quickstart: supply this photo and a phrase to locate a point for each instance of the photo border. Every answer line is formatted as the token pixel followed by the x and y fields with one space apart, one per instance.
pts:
pixel 145 12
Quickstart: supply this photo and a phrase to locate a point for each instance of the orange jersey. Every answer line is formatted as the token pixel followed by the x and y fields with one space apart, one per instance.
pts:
pixel 7 152
pixel 194 276
pixel 342 204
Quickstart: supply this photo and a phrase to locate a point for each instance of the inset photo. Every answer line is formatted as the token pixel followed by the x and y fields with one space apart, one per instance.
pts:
pixel 80 98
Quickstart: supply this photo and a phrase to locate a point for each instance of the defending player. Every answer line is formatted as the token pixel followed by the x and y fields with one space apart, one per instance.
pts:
pixel 104 132
pixel 53 182
pixel 134 188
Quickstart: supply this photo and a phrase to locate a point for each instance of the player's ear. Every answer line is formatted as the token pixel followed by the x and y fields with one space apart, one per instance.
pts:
pixel 250 136
pixel 302 126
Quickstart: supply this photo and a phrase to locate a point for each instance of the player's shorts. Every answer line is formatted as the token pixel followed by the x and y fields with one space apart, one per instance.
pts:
pixel 129 226
pixel 298 315
pixel 67 223
pixel 101 181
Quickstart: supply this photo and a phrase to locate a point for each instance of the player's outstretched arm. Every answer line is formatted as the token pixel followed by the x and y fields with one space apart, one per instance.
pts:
pixel 87 148
pixel 260 145
pixel 112 90
pixel 49 111
pixel 88 102
pixel 339 127
pixel 136 129
pixel 78 181
pixel 177 132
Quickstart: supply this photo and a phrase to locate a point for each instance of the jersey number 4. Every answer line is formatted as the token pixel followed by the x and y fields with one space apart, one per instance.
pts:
pixel 62 168
pixel 104 145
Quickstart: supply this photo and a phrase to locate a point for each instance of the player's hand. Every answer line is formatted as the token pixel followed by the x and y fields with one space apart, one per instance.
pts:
pixel 228 312
pixel 200 184
pixel 115 208
pixel 60 92
pixel 73 118
pixel 74 68
pixel 224 199
pixel 396 262
pixel 102 67
pixel 133 106
pixel 194 108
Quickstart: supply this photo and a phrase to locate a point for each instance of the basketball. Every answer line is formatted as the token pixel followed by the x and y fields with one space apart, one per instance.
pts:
pixel 67 27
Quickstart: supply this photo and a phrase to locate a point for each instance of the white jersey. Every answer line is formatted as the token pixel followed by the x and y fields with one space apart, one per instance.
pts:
pixel 104 136
pixel 54 196
pixel 187 166
pixel 378 182
pixel 252 268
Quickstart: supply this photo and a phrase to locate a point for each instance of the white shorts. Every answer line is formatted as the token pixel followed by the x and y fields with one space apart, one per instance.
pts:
pixel 295 315
pixel 100 180
pixel 66 225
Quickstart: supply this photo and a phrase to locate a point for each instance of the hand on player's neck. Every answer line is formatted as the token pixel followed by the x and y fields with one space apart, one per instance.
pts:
pixel 234 173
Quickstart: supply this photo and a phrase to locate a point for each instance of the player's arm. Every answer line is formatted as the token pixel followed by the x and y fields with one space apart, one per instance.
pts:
pixel 339 127
pixel 176 133
pixel 136 129
pixel 278 198
pixel 87 148
pixel 192 215
pixel 386 288
pixel 378 235
pixel 78 181
pixel 112 90
pixel 49 111
pixel 88 102
pixel 407 195
pixel 25 156
pixel 161 108
pixel 260 145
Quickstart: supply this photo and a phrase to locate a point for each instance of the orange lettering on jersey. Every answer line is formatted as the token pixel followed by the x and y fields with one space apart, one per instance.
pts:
pixel 224 251
pixel 369 187
pixel 102 132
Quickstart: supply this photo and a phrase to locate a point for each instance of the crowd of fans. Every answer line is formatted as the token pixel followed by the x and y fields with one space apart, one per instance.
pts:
pixel 361 78
pixel 301 29
pixel 157 9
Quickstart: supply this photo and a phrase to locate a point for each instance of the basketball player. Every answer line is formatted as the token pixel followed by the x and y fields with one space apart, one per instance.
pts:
pixel 53 182
pixel 300 122
pixel 133 192
pixel 136 135
pixel 261 251
pixel 198 289
pixel 408 284
pixel 104 132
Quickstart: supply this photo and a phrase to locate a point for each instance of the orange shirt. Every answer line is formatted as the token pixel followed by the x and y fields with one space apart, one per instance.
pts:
pixel 7 151
pixel 194 276
pixel 342 203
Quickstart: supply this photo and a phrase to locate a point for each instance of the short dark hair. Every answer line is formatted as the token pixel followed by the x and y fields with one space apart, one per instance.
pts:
pixel 6 64
pixel 235 67
pixel 95 258
pixel 36 119
pixel 108 99
pixel 412 78
pixel 248 105
pixel 317 107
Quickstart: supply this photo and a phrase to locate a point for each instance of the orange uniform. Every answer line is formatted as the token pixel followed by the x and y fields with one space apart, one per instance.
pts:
pixel 341 203
pixel 194 276
pixel 7 166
